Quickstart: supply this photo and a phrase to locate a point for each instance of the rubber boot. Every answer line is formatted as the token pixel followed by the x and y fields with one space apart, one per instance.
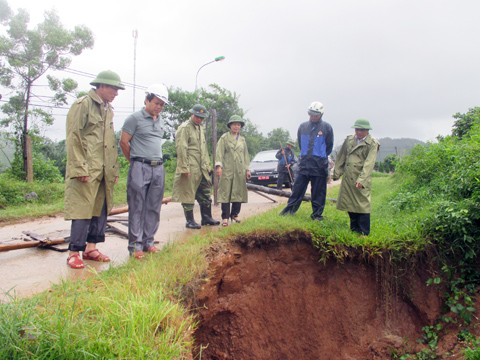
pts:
pixel 206 211
pixel 191 224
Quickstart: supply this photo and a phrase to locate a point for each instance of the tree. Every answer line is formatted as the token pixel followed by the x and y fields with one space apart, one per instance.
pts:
pixel 464 122
pixel 276 136
pixel 56 152
pixel 176 112
pixel 28 54
pixel 389 163
pixel 222 100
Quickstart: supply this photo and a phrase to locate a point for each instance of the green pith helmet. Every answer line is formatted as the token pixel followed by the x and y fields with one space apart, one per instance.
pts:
pixel 199 110
pixel 291 142
pixel 362 124
pixel 235 118
pixel 108 77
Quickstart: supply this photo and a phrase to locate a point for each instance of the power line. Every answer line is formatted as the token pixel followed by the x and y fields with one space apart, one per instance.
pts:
pixel 92 76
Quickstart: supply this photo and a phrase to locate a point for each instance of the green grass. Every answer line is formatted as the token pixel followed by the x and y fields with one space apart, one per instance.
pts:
pixel 389 230
pixel 138 310
pixel 128 312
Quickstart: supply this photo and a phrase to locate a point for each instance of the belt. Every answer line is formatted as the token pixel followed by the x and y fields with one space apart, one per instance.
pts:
pixel 149 162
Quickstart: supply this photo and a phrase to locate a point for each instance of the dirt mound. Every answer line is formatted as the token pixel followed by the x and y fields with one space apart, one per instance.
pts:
pixel 275 300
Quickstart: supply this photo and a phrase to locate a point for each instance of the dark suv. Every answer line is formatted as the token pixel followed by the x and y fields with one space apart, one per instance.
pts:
pixel 263 168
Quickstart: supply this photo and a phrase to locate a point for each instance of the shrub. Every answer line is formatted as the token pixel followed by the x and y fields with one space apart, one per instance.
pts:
pixel 43 170
pixel 13 191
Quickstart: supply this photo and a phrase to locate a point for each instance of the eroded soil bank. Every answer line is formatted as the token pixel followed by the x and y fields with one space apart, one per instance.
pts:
pixel 275 300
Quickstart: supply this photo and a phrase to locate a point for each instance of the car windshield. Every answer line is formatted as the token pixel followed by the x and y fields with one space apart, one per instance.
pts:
pixel 265 157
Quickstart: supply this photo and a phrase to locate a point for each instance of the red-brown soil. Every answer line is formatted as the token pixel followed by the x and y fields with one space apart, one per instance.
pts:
pixel 276 300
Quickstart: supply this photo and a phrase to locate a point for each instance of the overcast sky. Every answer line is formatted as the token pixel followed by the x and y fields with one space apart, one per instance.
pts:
pixel 407 66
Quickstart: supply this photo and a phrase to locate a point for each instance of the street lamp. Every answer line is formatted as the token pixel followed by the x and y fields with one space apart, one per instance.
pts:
pixel 219 58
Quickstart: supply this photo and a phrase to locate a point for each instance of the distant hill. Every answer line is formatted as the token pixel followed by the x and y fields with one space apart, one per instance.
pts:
pixel 388 146
pixel 401 147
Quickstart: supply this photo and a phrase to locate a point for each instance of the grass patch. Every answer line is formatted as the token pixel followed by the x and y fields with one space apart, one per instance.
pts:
pixel 390 230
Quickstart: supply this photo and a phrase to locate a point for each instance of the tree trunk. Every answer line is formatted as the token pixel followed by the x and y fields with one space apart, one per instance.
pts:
pixel 27 141
pixel 28 152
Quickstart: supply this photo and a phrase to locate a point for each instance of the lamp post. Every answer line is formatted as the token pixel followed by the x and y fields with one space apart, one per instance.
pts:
pixel 219 58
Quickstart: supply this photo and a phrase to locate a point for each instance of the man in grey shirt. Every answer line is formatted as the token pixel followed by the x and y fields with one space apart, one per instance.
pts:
pixel 141 143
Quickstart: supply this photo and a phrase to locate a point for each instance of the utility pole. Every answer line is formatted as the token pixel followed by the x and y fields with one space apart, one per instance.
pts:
pixel 135 37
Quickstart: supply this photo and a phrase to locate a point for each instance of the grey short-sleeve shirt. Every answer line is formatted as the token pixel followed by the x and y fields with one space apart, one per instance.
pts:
pixel 147 134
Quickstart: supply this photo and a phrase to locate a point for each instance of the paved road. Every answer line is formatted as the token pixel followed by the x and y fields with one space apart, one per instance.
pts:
pixel 27 271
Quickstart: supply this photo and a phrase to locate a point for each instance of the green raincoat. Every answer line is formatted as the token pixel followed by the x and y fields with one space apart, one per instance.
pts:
pixel 355 162
pixel 91 151
pixel 192 157
pixel 232 156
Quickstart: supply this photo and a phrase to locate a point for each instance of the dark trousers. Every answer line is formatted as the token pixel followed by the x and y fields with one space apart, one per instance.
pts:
pixel 85 231
pixel 226 213
pixel 360 223
pixel 319 195
pixel 282 176
pixel 202 195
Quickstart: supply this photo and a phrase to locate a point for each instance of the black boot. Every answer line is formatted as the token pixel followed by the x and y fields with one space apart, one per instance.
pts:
pixel 206 211
pixel 191 224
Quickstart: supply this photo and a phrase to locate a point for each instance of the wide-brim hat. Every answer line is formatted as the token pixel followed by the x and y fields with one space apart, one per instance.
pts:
pixel 199 110
pixel 291 142
pixel 362 124
pixel 234 119
pixel 108 77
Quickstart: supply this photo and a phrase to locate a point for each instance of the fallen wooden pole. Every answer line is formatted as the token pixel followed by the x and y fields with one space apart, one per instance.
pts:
pixel 265 196
pixel 125 208
pixel 30 244
pixel 271 191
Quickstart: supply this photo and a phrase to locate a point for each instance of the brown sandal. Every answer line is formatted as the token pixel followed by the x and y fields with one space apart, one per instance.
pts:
pixel 76 262
pixel 235 218
pixel 153 249
pixel 138 255
pixel 99 257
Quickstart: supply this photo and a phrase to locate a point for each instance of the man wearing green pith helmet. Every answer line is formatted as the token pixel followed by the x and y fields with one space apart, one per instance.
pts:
pixel 355 161
pixel 92 168
pixel 192 176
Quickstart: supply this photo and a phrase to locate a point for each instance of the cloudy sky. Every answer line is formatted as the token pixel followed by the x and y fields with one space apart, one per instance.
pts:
pixel 407 66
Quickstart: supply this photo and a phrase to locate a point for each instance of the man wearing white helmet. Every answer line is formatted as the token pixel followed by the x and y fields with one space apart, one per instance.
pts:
pixel 315 138
pixel 141 143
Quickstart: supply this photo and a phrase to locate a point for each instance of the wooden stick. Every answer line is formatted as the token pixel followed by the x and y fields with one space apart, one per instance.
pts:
pixel 286 163
pixel 125 208
pixel 30 244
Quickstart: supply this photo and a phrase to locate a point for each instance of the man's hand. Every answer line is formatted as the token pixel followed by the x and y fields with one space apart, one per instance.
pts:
pixel 116 179
pixel 83 179
pixel 358 185
pixel 249 176
pixel 187 175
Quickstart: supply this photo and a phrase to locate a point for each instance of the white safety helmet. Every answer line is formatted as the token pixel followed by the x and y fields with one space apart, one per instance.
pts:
pixel 159 90
pixel 315 108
